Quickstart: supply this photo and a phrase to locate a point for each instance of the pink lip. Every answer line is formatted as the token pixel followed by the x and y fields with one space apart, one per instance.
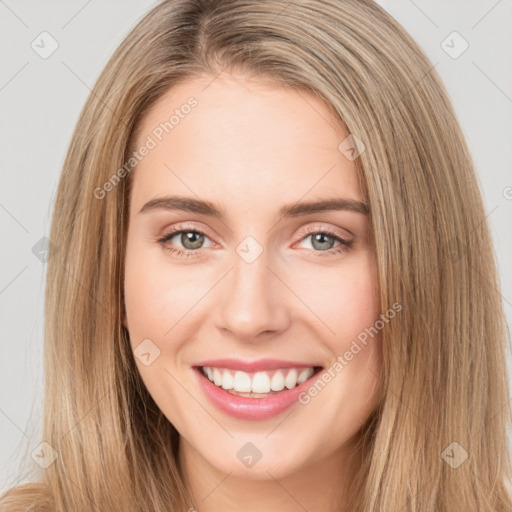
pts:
pixel 250 408
pixel 252 366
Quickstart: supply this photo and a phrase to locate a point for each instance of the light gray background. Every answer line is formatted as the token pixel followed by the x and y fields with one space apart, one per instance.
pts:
pixel 40 102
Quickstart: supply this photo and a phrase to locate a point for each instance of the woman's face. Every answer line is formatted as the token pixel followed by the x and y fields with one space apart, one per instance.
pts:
pixel 227 269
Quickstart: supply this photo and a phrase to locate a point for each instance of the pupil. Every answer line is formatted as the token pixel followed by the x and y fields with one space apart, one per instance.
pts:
pixel 187 239
pixel 319 237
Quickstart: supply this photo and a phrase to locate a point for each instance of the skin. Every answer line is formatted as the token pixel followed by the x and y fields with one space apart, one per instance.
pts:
pixel 251 147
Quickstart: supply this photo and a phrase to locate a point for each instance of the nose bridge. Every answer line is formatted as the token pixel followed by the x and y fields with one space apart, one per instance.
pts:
pixel 252 302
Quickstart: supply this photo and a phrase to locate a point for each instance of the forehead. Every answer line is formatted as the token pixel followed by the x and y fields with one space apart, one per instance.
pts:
pixel 248 140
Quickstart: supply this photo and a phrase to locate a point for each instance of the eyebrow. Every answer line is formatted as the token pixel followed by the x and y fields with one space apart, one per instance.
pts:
pixel 189 204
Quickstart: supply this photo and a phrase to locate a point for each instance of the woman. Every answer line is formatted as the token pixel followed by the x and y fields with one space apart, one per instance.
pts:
pixel 274 284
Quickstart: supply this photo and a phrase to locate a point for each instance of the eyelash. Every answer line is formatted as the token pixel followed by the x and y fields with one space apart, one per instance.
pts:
pixel 344 244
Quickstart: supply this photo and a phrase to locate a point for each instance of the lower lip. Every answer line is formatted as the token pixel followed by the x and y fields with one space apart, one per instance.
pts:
pixel 246 408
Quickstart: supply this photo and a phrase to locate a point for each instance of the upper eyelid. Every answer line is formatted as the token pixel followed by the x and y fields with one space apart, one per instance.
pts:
pixel 316 227
pixel 185 227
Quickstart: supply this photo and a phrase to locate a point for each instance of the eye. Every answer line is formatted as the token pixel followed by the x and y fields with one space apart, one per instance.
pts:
pixel 191 240
pixel 323 242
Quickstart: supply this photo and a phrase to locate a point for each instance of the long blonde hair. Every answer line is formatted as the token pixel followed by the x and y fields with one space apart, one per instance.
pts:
pixel 444 377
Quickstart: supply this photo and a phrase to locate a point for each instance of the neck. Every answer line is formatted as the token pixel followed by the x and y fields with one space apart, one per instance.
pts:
pixel 325 485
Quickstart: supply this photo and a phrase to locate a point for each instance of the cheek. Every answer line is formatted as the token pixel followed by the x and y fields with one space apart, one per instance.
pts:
pixel 344 298
pixel 152 308
pixel 346 301
pixel 142 299
pixel 155 298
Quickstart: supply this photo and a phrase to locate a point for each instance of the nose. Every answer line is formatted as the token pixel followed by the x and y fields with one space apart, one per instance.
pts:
pixel 253 301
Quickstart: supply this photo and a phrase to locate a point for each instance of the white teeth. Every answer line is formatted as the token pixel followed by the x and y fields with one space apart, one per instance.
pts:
pixel 290 380
pixel 259 382
pixel 304 375
pixel 242 382
pixel 217 377
pixel 227 380
pixel 277 382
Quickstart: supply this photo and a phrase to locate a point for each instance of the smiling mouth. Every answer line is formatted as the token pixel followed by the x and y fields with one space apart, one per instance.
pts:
pixel 261 384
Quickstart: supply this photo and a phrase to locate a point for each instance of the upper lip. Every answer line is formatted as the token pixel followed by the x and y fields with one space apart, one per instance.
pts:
pixel 253 366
